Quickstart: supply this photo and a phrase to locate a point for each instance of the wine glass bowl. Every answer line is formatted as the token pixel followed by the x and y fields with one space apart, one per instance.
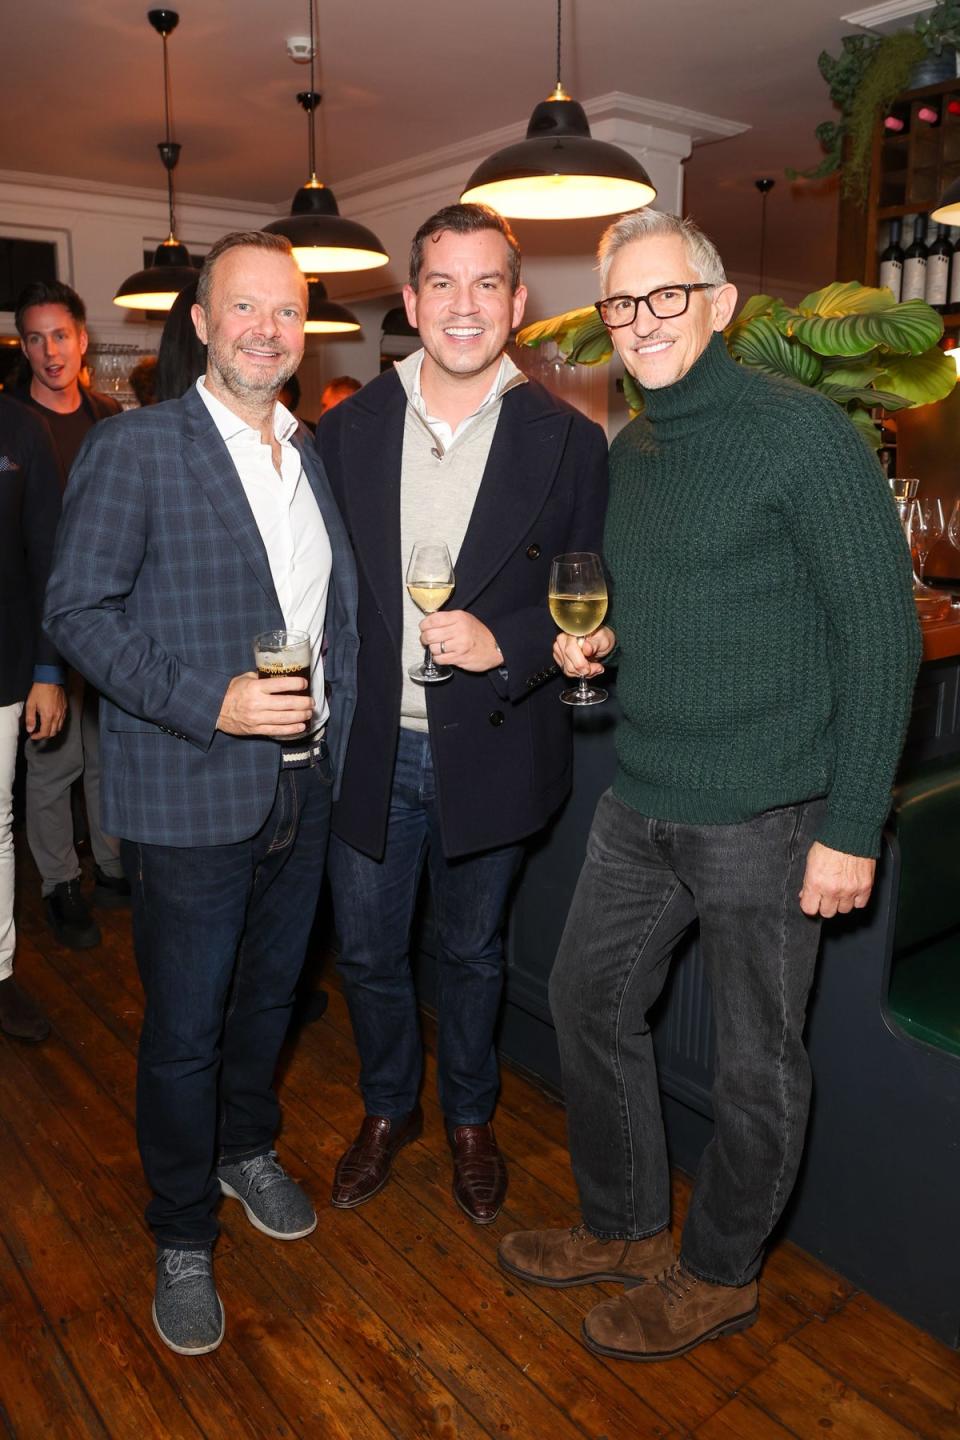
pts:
pixel 578 603
pixel 430 582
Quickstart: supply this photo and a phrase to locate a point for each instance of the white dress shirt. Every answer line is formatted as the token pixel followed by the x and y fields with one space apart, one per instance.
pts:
pixel 444 432
pixel 290 524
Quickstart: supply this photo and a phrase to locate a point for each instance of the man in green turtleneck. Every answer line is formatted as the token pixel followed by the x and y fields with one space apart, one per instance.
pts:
pixel 767 648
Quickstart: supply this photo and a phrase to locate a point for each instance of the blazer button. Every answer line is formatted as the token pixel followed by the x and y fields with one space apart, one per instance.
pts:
pixel 533 552
pixel 495 717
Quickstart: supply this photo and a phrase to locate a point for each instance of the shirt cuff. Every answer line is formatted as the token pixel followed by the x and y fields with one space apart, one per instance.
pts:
pixel 49 675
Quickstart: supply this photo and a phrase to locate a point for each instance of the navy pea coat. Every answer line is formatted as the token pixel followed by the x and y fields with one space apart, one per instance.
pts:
pixel 501 742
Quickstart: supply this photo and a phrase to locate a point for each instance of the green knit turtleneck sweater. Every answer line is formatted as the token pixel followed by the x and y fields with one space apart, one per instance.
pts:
pixel 761 596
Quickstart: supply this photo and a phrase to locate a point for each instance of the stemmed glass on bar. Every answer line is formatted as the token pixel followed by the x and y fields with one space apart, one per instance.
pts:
pixel 578 603
pixel 430 584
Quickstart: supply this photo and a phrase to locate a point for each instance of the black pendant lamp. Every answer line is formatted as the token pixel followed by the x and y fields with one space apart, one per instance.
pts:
pixel 560 172
pixel 158 286
pixel 323 240
pixel 326 317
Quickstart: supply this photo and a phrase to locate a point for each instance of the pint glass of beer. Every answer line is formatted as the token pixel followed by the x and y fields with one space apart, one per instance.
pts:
pixel 282 652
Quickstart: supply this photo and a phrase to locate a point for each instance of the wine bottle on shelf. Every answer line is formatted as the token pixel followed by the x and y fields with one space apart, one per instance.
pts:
pixel 939 255
pixel 915 263
pixel 953 293
pixel 891 261
pixel 897 122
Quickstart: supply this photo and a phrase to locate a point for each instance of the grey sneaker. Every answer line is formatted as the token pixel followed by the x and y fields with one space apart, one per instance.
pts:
pixel 187 1310
pixel 273 1202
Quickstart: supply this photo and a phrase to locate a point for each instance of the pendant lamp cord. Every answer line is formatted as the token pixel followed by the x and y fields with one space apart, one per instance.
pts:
pixel 311 113
pixel 166 120
pixel 559 9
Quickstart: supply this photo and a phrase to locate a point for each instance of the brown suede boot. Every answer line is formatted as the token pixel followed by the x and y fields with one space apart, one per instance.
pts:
pixel 668 1316
pixel 576 1257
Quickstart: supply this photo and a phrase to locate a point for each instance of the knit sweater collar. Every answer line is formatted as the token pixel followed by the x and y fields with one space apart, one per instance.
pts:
pixel 713 383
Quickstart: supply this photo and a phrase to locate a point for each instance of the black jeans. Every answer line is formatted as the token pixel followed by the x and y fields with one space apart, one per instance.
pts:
pixel 220 935
pixel 643 884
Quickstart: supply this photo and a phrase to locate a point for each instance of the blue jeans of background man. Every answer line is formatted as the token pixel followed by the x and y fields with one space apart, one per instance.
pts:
pixel 220 934
pixel 373 903
pixel 643 883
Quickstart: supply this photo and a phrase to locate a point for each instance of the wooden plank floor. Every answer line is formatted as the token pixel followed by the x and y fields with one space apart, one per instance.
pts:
pixel 393 1320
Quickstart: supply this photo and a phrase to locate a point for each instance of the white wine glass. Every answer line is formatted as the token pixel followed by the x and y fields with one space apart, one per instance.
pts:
pixel 926 528
pixel 578 603
pixel 953 525
pixel 429 584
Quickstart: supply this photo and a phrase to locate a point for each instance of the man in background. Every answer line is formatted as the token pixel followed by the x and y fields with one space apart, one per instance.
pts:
pixel 30 671
pixel 341 387
pixel 51 322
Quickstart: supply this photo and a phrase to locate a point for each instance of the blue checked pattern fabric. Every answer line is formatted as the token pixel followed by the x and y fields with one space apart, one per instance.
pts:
pixel 160 582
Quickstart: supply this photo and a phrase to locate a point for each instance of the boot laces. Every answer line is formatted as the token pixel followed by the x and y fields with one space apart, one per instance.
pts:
pixel 676 1283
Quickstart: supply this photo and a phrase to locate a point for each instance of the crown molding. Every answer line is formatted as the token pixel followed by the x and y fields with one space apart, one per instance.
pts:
pixel 875 16
pixel 90 190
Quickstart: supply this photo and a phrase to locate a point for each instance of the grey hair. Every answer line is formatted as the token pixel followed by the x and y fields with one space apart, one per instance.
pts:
pixel 701 252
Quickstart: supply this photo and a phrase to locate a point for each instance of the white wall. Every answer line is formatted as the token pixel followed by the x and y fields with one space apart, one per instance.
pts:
pixel 101 232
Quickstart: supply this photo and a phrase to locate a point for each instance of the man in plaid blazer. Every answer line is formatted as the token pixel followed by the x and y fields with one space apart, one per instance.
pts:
pixel 189 528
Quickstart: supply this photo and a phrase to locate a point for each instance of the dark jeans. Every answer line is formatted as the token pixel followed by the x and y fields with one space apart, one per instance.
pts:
pixel 220 935
pixel 373 903
pixel 642 885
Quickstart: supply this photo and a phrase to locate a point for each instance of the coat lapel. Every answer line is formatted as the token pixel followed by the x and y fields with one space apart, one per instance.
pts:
pixel 371 458
pixel 215 472
pixel 527 448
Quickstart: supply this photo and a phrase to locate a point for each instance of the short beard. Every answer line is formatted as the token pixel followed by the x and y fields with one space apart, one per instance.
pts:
pixel 243 388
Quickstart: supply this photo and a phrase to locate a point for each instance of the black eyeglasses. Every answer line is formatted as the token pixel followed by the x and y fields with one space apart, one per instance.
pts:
pixel 664 303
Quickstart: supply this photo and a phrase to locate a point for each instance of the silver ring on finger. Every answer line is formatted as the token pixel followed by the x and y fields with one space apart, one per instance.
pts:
pixel 443 648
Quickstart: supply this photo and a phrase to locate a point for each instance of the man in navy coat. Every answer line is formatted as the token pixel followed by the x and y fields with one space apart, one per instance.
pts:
pixel 453 445
pixel 189 528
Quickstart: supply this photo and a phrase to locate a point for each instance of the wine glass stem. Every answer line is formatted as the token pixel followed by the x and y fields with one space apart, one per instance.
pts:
pixel 583 687
pixel 428 665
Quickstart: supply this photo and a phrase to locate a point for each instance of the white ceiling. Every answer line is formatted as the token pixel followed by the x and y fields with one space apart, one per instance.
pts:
pixel 83 97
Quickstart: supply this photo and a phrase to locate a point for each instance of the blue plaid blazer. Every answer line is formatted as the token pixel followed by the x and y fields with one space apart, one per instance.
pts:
pixel 160 581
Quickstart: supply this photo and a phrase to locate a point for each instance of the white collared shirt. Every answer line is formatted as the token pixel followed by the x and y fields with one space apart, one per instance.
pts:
pixel 290 524
pixel 445 433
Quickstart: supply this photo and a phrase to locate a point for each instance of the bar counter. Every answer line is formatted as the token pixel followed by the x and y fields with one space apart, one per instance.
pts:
pixel 941 638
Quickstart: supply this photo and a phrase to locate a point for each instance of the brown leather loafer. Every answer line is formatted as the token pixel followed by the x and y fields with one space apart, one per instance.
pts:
pixel 364 1168
pixel 668 1316
pixel 479 1172
pixel 577 1257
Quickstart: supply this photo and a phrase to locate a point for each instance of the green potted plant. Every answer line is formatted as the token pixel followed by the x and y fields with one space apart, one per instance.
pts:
pixel 851 342
pixel 864 79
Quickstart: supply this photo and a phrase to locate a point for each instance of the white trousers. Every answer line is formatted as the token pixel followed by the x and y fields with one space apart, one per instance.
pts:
pixel 9 731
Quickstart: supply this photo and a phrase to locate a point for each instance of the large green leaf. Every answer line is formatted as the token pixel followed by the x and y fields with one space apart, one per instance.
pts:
pixel 633 395
pixel 860 419
pixel 863 395
pixel 843 371
pixel 847 297
pixel 761 345
pixel 907 329
pixel 755 306
pixel 920 379
pixel 559 327
pixel 590 344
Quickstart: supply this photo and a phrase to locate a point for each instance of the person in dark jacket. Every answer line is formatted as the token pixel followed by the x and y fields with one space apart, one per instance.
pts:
pixel 30 671
pixel 51 322
pixel 453 445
